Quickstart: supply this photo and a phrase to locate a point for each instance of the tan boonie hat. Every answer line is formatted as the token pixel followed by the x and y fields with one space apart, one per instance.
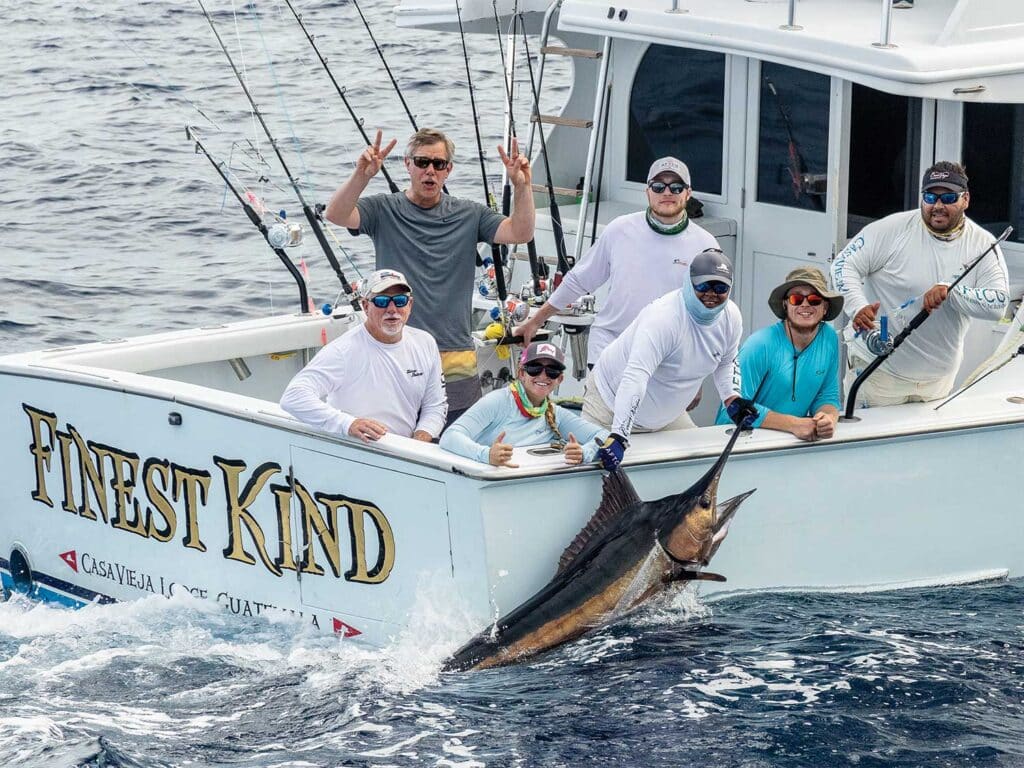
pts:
pixel 813 278
pixel 669 165
pixel 381 280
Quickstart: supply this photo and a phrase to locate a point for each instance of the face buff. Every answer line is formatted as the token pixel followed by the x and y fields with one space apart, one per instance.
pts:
pixel 950 234
pixel 701 315
pixel 667 229
pixel 522 400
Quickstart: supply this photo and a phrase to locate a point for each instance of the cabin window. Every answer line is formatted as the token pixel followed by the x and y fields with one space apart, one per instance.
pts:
pixel 677 107
pixel 885 156
pixel 792 159
pixel 993 154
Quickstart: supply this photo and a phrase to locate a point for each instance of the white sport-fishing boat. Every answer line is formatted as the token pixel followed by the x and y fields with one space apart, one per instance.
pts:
pixel 163 463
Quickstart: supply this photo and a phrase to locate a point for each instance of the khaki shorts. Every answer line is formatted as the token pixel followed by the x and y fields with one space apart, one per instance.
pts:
pixel 881 388
pixel 596 411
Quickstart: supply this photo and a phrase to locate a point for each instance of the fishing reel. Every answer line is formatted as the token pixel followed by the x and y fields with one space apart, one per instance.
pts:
pixel 284 234
pixel 517 311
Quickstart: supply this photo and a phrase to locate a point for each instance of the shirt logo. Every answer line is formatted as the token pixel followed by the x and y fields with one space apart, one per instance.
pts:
pixel 413 372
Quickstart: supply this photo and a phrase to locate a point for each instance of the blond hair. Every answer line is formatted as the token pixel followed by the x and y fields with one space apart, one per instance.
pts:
pixel 426 136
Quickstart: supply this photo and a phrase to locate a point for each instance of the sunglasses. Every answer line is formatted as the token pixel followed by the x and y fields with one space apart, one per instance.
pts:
pixel 439 163
pixel 947 198
pixel 400 299
pixel 676 187
pixel 796 299
pixel 720 288
pixel 534 369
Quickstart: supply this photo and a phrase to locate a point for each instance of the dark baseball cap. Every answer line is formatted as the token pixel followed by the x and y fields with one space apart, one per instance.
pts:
pixel 943 178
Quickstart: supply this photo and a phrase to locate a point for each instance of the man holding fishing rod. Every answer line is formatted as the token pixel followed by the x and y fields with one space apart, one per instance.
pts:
pixel 907 262
pixel 432 237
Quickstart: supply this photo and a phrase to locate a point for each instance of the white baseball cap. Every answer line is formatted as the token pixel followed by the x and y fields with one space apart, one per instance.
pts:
pixel 669 165
pixel 381 280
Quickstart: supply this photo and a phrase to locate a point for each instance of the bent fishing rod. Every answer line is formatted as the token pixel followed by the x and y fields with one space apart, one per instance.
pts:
pixel 564 265
pixel 307 210
pixel 916 321
pixel 341 91
pixel 255 218
pixel 499 267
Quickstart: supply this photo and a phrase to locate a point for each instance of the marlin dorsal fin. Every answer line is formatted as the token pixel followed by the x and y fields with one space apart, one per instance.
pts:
pixel 617 495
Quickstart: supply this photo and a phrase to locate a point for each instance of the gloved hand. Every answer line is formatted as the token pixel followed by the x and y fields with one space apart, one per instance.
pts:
pixel 742 412
pixel 611 452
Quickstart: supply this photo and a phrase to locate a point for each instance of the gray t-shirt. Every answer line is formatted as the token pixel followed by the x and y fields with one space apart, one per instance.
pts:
pixel 436 249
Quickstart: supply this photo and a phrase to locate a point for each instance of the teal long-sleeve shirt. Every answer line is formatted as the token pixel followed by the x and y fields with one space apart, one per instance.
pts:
pixel 794 384
pixel 475 431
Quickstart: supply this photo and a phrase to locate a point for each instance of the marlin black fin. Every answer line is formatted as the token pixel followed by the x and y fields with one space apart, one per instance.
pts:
pixel 617 496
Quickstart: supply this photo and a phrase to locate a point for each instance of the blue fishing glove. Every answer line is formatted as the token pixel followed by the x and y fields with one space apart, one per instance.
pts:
pixel 742 412
pixel 611 451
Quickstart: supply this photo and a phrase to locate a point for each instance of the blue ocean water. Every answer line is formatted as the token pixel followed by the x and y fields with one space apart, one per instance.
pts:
pixel 112 226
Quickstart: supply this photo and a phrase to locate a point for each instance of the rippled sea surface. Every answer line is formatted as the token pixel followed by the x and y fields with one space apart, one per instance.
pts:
pixel 111 226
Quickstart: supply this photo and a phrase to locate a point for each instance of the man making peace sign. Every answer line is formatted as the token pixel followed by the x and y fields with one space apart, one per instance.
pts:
pixel 432 237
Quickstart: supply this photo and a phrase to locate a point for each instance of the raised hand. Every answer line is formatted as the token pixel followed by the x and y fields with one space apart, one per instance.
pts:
pixel 372 158
pixel 573 450
pixel 517 166
pixel 500 454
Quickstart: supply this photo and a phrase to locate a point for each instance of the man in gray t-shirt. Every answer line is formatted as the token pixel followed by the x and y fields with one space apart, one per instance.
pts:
pixel 432 238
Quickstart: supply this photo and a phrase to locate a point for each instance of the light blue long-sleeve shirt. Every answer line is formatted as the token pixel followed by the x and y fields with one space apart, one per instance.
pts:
pixel 794 384
pixel 475 431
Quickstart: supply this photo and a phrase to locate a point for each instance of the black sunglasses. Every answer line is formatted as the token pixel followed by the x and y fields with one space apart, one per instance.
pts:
pixel 676 187
pixel 400 299
pixel 439 163
pixel 552 370
pixel 947 198
pixel 712 285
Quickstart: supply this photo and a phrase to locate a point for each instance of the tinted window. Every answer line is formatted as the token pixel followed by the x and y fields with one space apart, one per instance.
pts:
pixel 993 152
pixel 885 150
pixel 677 108
pixel 792 159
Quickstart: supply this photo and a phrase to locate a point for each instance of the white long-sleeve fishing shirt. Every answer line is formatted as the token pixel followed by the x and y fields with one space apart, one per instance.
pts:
pixel 639 264
pixel 897 259
pixel 655 368
pixel 356 376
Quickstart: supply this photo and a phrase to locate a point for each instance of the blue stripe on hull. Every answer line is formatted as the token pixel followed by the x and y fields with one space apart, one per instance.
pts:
pixel 50 589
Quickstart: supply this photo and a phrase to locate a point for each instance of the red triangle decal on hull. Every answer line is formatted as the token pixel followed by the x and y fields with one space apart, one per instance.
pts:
pixel 71 559
pixel 343 629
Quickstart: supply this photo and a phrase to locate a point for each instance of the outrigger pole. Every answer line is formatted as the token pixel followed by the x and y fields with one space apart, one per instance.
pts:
pixel 255 219
pixel 499 267
pixel 341 91
pixel 310 214
pixel 556 214
pixel 918 319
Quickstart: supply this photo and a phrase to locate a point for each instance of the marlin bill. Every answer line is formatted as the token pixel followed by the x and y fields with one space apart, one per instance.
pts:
pixel 628 551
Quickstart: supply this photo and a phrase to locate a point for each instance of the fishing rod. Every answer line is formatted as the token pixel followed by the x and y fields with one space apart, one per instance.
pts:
pixel 499 268
pixel 564 265
pixel 600 161
pixel 387 69
pixel 274 239
pixel 1020 351
pixel 341 91
pixel 537 271
pixel 919 318
pixel 311 216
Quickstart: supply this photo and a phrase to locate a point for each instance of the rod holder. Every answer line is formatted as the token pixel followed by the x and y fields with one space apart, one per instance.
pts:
pixel 240 368
pixel 676 9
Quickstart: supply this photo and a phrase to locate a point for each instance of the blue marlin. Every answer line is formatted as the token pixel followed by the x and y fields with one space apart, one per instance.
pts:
pixel 628 551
